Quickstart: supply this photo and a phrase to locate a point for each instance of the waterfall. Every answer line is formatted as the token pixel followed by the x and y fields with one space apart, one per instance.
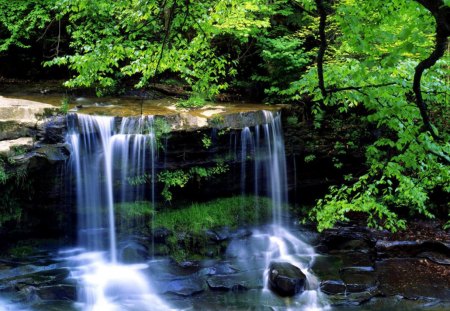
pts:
pixel 264 144
pixel 107 158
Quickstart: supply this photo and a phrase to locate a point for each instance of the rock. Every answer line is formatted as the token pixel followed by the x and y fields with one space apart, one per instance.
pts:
pixel 286 279
pixel 235 282
pixel 133 252
pixel 54 130
pixel 359 279
pixel 435 257
pixel 218 235
pixel 333 287
pixel 187 286
pixel 7 146
pixel 413 278
pixel 23 111
pixel 160 235
pixel 58 292
pixel 410 248
pixel 28 294
pixel 348 238
pixel 12 130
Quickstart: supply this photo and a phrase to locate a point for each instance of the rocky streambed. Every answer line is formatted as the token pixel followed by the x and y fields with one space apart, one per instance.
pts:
pixel 359 269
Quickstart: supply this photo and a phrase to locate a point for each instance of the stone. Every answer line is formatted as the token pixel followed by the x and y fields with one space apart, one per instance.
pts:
pixel 160 235
pixel 57 292
pixel 413 278
pixel 333 287
pixel 24 111
pixel 286 279
pixel 359 279
pixel 133 252
pixel 235 282
pixel 7 146
pixel 186 286
pixel 410 248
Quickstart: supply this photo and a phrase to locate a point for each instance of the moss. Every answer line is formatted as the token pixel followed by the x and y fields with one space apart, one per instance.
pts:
pixel 226 212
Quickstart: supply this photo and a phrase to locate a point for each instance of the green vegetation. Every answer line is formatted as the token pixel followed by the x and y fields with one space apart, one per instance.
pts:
pixel 64 108
pixel 206 141
pixel 194 101
pixel 189 224
pixel 384 62
pixel 228 212
pixel 179 178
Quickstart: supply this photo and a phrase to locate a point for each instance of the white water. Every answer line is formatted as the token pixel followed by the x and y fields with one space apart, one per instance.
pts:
pixel 265 145
pixel 101 156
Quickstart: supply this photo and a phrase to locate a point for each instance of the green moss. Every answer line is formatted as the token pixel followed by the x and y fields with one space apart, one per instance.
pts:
pixel 132 210
pixel 230 212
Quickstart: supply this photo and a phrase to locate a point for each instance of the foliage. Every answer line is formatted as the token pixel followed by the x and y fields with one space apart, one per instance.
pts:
pixel 179 178
pixel 22 20
pixel 64 108
pixel 370 63
pixel 194 101
pixel 226 212
pixel 3 174
pixel 139 179
pixel 206 141
pixel 112 40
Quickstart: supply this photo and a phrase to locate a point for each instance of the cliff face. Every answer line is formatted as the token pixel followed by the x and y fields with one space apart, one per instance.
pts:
pixel 37 190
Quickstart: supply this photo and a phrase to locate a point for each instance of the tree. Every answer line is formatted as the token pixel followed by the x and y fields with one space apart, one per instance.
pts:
pixel 143 39
pixel 376 58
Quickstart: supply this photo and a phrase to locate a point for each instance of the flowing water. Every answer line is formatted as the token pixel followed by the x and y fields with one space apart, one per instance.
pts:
pixel 104 158
pixel 111 155
pixel 265 145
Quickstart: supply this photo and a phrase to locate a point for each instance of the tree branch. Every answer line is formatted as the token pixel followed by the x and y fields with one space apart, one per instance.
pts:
pixel 322 47
pixel 441 14
pixel 358 88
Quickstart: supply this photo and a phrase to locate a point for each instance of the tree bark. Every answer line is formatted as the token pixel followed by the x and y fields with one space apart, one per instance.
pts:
pixel 441 14
pixel 322 47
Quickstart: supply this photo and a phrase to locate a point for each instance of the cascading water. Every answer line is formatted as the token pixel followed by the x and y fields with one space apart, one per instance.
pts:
pixel 103 159
pixel 275 242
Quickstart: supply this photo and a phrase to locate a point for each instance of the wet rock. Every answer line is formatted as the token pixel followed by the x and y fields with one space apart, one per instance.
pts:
pixel 222 268
pixel 235 282
pixel 348 239
pixel 410 248
pixel 286 279
pixel 359 279
pixel 133 252
pixel 57 292
pixel 333 287
pixel 54 130
pixel 414 278
pixel 218 235
pixel 351 299
pixel 189 264
pixel 435 257
pixel 27 294
pixel 160 235
pixel 184 286
pixel 241 233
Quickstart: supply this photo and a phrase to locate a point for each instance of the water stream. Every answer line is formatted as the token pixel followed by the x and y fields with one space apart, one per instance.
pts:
pixel 108 153
pixel 265 145
pixel 101 155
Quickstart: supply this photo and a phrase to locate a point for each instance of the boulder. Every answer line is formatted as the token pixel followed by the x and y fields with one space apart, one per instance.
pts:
pixel 286 279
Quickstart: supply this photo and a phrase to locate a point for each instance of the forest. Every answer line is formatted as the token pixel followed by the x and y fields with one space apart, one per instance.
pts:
pixel 385 63
pixel 364 93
